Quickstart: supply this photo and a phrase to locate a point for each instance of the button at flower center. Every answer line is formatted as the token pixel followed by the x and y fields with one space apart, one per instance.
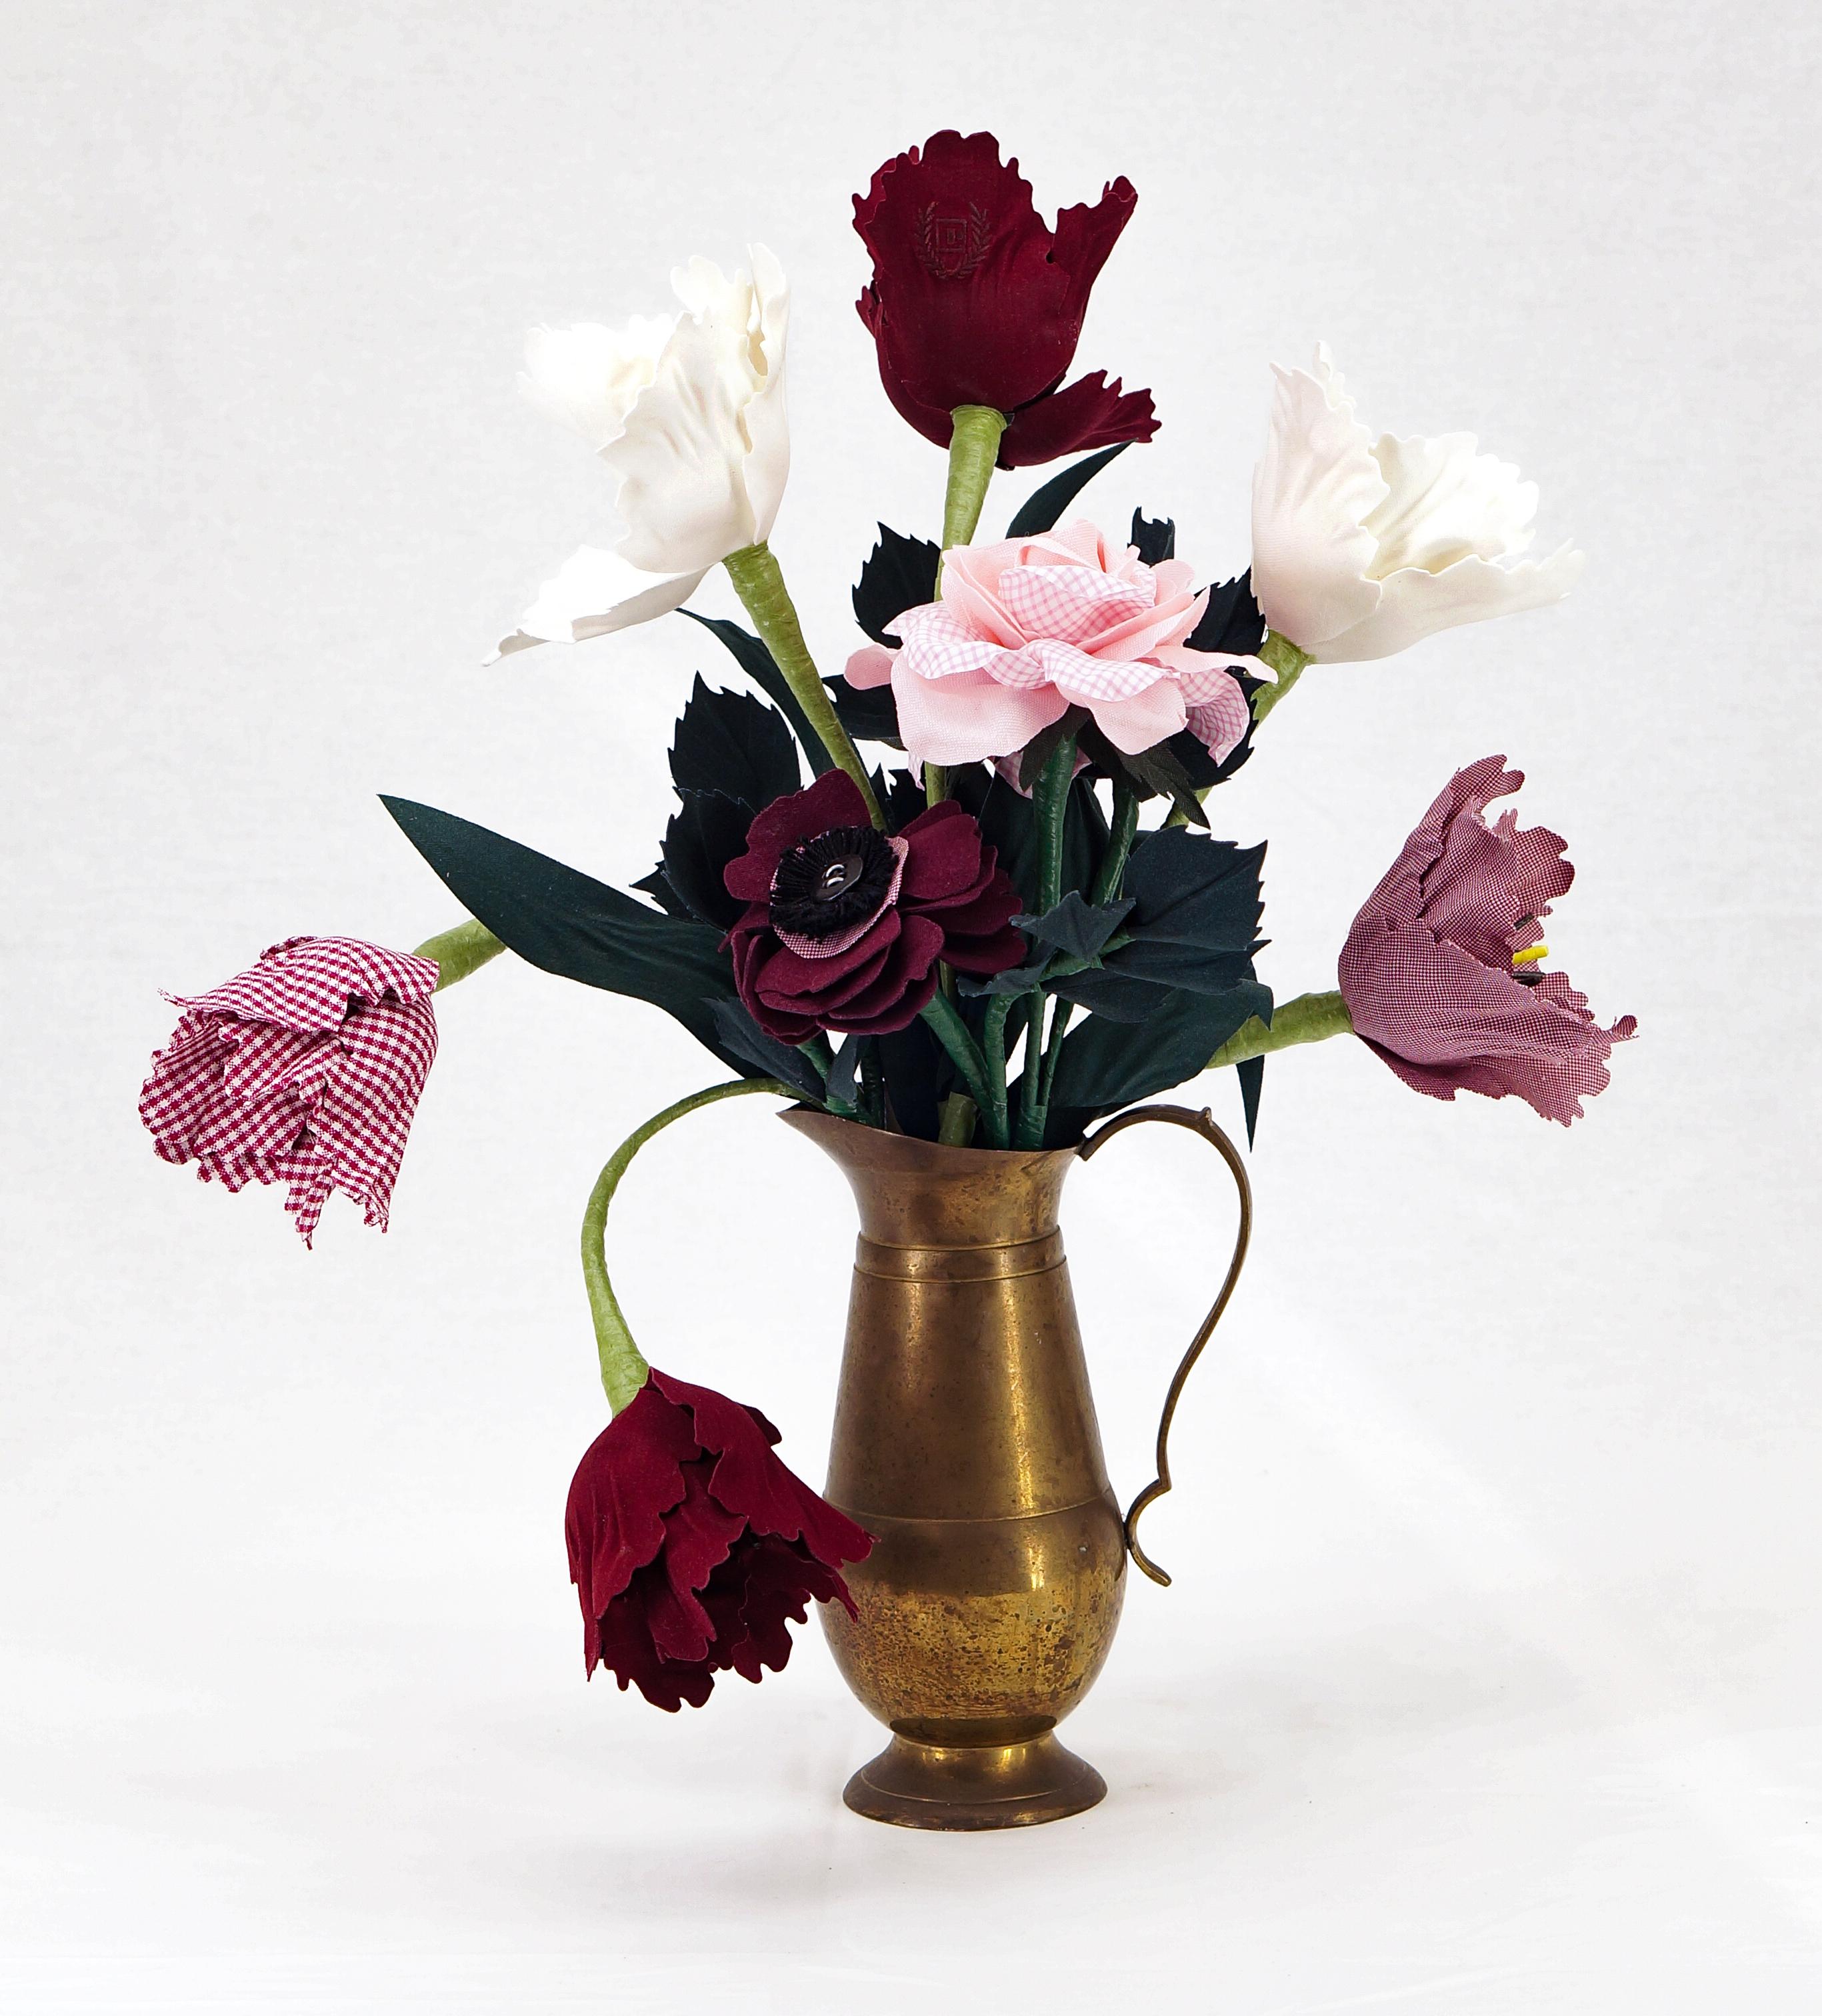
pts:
pixel 831 884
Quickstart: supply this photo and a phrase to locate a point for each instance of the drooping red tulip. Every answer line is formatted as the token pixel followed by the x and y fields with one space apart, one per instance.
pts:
pixel 692 1546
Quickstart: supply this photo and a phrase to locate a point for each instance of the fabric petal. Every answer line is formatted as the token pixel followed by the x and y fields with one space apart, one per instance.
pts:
pixel 970 717
pixel 594 593
pixel 1415 605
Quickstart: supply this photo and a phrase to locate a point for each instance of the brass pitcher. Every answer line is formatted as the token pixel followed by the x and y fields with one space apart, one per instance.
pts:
pixel 965 1443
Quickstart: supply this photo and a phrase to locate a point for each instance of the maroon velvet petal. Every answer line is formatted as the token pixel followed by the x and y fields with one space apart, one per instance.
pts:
pixel 833 799
pixel 1090 414
pixel 784 974
pixel 945 854
pixel 698 1534
pixel 995 953
pixel 630 1477
pixel 628 1652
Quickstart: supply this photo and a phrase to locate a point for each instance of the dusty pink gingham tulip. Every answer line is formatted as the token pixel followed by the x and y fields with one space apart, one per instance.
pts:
pixel 1440 973
pixel 1024 629
pixel 305 1071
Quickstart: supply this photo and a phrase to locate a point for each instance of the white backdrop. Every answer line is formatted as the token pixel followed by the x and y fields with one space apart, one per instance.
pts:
pixel 1488 1682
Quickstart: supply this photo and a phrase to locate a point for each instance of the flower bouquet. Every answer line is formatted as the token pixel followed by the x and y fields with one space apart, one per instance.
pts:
pixel 960 906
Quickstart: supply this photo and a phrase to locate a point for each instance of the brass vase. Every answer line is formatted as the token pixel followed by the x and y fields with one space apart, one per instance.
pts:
pixel 965 1443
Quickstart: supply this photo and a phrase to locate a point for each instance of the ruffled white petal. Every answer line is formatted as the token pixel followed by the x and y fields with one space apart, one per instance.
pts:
pixel 1314 488
pixel 1417 604
pixel 768 426
pixel 587 377
pixel 1444 502
pixel 593 593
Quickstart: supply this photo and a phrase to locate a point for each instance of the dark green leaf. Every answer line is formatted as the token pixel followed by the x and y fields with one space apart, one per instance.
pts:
pixel 841 1073
pixel 1076 927
pixel 1041 510
pixel 707 831
pixel 1034 757
pixel 1159 774
pixel 1107 1064
pixel 1252 1079
pixel 658 885
pixel 734 745
pixel 568 924
pixel 899 573
pixel 1155 538
pixel 918 1075
pixel 869 714
pixel 1232 622
pixel 1195 917
pixel 758 663
pixel 769 1058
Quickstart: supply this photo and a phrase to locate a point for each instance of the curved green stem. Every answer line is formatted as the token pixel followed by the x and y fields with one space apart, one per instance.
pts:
pixel 760 585
pixel 1050 801
pixel 1285 659
pixel 462 949
pixel 1309 1019
pixel 624 1366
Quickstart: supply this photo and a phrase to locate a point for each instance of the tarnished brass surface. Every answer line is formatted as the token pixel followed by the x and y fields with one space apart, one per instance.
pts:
pixel 966 1442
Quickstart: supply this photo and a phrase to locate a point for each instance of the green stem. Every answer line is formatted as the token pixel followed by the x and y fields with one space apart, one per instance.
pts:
pixel 948 1028
pixel 462 949
pixel 624 1366
pixel 955 1123
pixel 1121 835
pixel 993 1043
pixel 760 585
pixel 1309 1019
pixel 974 433
pixel 1288 662
pixel 1051 803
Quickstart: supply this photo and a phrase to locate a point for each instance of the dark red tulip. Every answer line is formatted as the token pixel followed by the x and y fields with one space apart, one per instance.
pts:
pixel 692 1546
pixel 976 301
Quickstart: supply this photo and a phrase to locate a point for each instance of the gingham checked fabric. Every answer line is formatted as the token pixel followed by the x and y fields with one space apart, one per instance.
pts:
pixel 1065 613
pixel 1427 970
pixel 305 1071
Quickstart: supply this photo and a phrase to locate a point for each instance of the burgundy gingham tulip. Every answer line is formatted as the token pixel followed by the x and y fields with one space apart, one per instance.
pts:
pixel 691 1546
pixel 1434 971
pixel 305 1071
pixel 975 301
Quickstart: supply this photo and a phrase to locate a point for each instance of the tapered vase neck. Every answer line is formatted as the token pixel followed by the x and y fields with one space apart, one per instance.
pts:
pixel 913 1192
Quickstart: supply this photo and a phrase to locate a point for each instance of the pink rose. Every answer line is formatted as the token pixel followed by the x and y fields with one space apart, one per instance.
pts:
pixel 1024 629
pixel 1440 972
pixel 305 1071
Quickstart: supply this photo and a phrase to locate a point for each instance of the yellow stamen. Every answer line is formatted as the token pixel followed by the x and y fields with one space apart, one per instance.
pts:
pixel 1529 953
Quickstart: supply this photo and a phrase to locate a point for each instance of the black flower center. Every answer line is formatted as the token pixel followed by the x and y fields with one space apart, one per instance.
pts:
pixel 832 883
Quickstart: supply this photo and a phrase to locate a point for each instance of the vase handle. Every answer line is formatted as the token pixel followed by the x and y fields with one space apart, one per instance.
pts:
pixel 1201 1123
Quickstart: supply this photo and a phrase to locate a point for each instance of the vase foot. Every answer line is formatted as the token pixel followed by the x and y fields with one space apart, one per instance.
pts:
pixel 958 1790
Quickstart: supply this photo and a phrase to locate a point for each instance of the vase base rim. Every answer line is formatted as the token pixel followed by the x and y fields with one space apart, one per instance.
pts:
pixel 952 1789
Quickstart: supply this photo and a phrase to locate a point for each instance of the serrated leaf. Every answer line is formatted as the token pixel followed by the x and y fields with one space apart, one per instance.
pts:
pixel 1041 510
pixel 568 924
pixel 1076 927
pixel 658 885
pixel 1155 538
pixel 734 745
pixel 708 830
pixel 759 665
pixel 899 573
pixel 1232 622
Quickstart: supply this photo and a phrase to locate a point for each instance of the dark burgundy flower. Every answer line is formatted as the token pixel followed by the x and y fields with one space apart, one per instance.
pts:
pixel 1440 972
pixel 844 926
pixel 691 1546
pixel 975 301
pixel 305 1071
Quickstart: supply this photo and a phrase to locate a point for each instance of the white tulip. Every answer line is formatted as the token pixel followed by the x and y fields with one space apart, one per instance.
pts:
pixel 1361 547
pixel 687 411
